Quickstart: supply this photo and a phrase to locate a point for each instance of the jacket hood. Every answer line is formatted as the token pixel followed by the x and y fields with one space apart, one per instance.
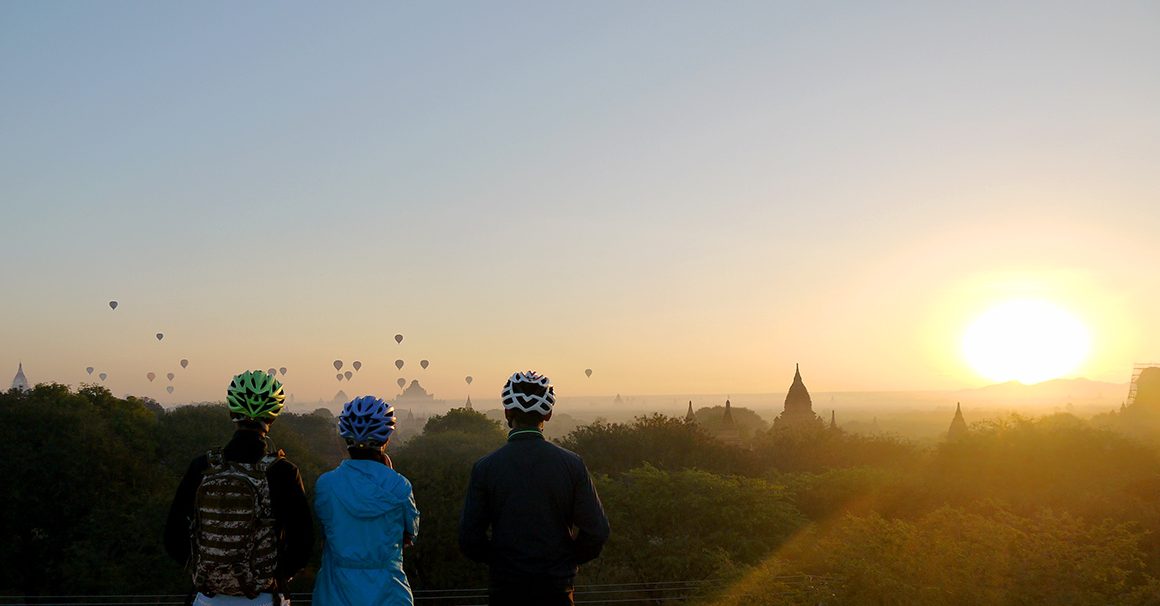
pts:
pixel 368 489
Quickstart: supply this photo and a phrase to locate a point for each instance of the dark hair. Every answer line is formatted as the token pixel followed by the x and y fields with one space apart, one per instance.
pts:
pixel 244 422
pixel 366 454
pixel 520 417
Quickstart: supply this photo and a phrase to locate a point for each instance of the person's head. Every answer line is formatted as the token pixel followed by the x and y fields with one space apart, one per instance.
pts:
pixel 366 424
pixel 528 398
pixel 254 399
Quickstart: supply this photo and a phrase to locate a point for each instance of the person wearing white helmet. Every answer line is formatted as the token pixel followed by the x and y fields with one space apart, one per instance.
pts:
pixel 538 502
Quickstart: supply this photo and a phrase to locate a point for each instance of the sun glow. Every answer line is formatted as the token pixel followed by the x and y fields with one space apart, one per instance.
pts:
pixel 1027 341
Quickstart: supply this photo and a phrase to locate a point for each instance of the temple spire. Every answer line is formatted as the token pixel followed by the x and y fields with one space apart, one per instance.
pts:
pixel 958 427
pixel 20 381
pixel 799 407
pixel 689 416
pixel 833 420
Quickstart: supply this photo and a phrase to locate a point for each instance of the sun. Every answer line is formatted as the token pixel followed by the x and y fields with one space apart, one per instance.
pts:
pixel 1027 340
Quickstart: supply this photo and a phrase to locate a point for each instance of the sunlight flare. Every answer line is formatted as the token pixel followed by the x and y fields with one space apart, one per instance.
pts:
pixel 1027 340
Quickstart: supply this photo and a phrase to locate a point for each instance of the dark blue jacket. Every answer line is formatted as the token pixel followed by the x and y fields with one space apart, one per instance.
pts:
pixel 539 503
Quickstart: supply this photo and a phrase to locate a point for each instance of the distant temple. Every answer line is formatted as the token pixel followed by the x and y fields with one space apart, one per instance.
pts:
pixel 958 428
pixel 20 381
pixel 729 433
pixel 340 398
pixel 833 420
pixel 467 404
pixel 689 416
pixel 414 394
pixel 799 408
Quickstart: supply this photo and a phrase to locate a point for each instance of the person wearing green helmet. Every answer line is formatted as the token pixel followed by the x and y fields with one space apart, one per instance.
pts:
pixel 240 522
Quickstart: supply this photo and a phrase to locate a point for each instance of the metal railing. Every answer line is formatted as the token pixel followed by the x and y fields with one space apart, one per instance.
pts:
pixel 650 593
pixel 621 593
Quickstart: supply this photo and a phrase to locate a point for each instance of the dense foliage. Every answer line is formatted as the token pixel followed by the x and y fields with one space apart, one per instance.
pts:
pixel 1020 511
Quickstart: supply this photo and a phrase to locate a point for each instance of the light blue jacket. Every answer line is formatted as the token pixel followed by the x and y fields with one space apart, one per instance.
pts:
pixel 365 508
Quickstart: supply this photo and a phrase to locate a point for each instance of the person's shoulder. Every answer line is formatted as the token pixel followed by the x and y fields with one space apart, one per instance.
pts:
pixel 489 459
pixel 564 452
pixel 325 479
pixel 282 467
pixel 402 486
pixel 198 465
pixel 402 478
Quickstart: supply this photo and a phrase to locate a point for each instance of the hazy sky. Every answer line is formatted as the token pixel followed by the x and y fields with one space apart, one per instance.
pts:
pixel 684 197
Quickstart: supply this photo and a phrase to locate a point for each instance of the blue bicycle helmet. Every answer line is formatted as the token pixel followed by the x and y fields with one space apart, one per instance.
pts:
pixel 366 422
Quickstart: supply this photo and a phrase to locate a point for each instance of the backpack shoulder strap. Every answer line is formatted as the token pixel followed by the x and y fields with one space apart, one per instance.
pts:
pixel 269 459
pixel 215 458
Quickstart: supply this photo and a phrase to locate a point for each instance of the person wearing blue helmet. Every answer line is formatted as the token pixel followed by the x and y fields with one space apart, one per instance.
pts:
pixel 368 514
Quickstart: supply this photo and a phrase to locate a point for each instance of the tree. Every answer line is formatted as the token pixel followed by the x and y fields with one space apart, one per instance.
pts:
pixel 953 556
pixel 817 448
pixel 688 525
pixel 747 422
pixel 463 420
pixel 438 463
pixel 82 490
pixel 665 442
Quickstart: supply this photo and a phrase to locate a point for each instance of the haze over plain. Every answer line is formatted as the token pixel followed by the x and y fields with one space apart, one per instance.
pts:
pixel 686 199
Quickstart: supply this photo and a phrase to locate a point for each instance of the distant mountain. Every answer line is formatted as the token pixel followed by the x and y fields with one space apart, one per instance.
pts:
pixel 1056 391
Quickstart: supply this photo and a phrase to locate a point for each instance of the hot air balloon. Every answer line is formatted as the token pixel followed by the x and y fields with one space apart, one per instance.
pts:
pixel 357 365
pixel 89 370
pixel 424 364
pixel 399 364
pixel 338 376
pixel 348 374
pixel 150 376
pixel 469 379
pixel 401 382
pixel 338 364
pixel 113 304
pixel 169 388
pixel 273 372
pixel 184 363
pixel 588 371
pixel 282 371
pixel 170 376
pixel 398 338
pixel 103 376
pixel 160 336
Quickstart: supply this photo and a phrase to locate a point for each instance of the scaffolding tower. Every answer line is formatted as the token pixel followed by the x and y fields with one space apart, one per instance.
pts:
pixel 1136 370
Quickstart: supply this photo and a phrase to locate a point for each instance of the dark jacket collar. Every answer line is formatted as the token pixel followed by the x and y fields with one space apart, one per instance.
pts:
pixel 245 447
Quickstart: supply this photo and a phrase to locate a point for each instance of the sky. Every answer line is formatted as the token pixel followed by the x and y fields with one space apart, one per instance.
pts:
pixel 685 197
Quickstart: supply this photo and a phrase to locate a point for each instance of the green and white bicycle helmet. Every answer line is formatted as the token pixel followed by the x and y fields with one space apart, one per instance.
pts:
pixel 255 395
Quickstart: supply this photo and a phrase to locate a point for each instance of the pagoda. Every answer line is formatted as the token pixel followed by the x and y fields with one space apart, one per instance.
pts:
pixel 729 433
pixel 958 428
pixel 799 408
pixel 20 381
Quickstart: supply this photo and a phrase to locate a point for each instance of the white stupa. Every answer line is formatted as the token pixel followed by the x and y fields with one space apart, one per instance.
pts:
pixel 20 381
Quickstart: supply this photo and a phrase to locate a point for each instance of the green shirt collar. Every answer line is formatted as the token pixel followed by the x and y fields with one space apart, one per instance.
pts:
pixel 525 434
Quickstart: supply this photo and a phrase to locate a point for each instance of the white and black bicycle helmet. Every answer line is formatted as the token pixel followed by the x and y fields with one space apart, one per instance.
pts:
pixel 529 392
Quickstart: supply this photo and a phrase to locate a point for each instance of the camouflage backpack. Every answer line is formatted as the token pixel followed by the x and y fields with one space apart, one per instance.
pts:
pixel 234 547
